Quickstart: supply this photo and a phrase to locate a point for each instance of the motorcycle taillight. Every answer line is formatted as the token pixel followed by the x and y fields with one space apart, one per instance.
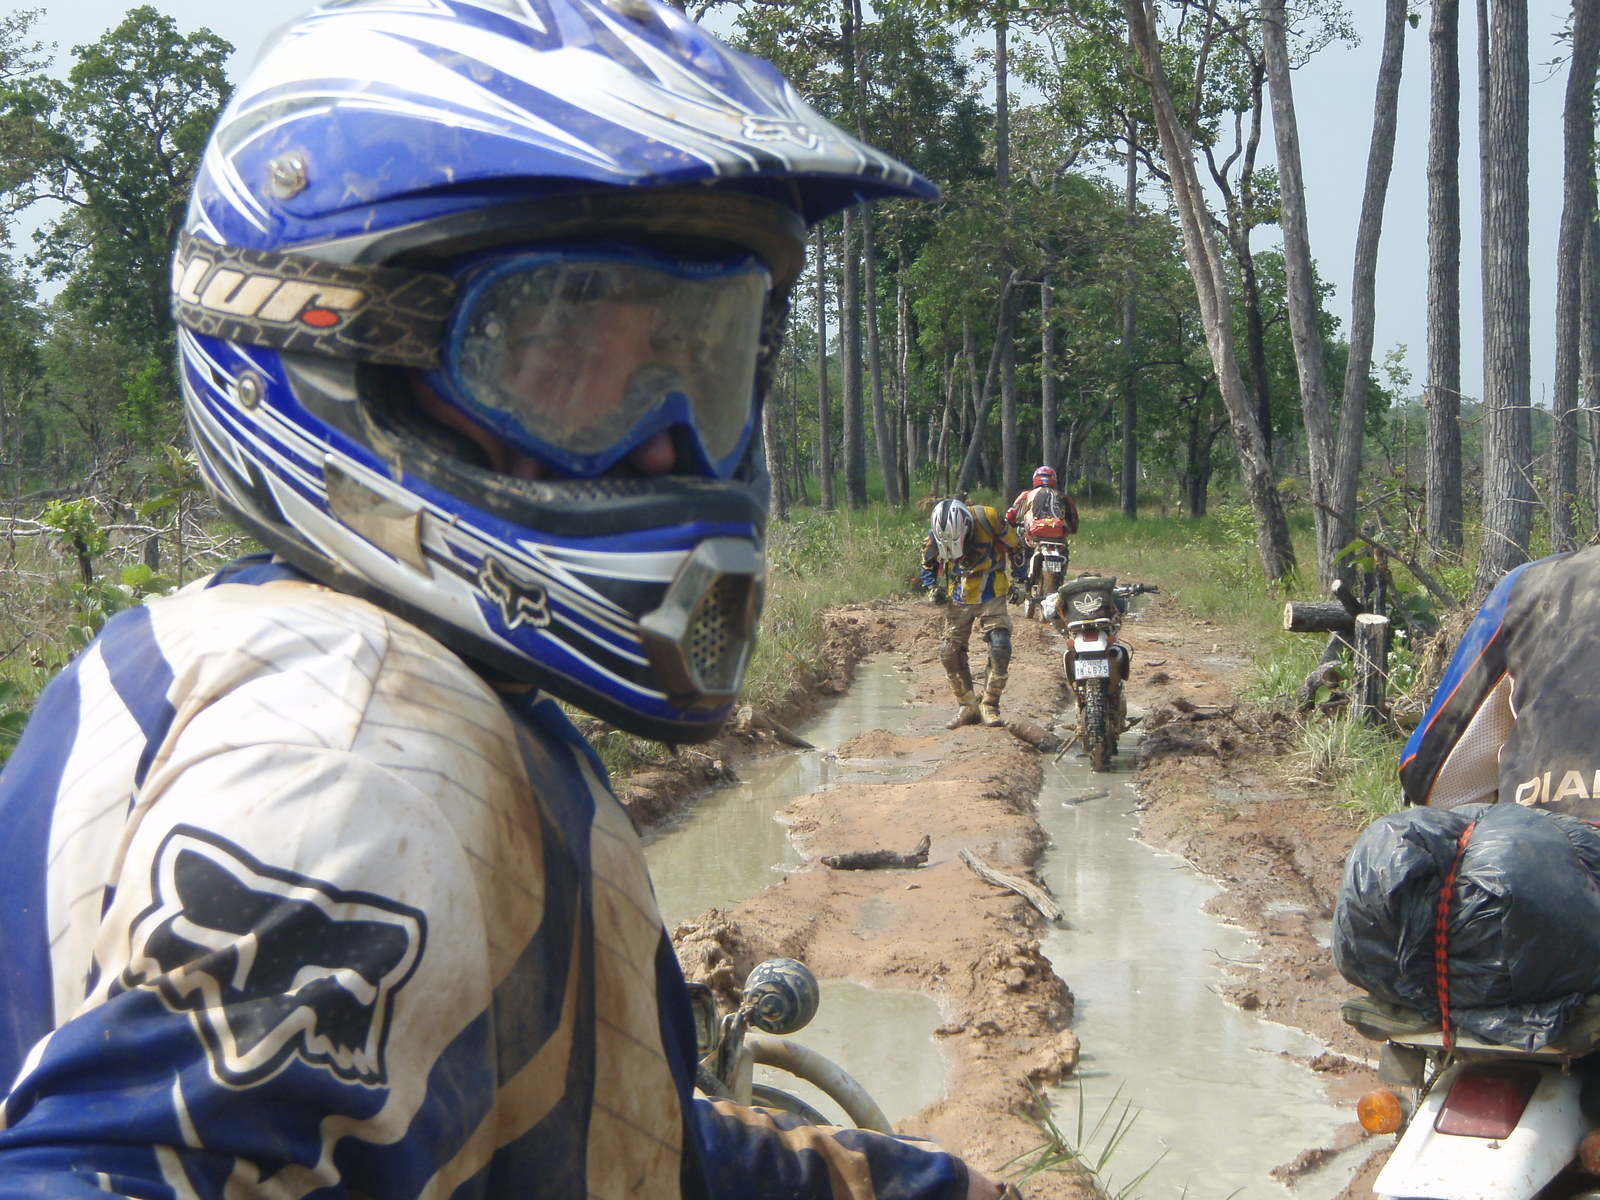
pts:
pixel 1487 1102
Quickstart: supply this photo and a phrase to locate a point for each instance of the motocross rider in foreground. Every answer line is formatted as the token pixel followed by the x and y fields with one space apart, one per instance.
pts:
pixel 312 886
pixel 1514 716
pixel 1043 499
pixel 973 545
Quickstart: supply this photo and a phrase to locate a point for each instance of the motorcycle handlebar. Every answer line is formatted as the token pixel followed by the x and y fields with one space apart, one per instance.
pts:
pixel 1136 589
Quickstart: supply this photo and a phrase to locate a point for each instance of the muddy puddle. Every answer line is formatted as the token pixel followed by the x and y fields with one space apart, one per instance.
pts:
pixel 1205 1099
pixel 1208 1097
pixel 731 846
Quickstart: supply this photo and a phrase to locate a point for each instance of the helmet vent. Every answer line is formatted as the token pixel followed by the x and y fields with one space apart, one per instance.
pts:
pixel 717 637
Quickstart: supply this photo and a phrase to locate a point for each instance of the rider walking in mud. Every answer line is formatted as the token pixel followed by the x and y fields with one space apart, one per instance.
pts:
pixel 312 887
pixel 973 545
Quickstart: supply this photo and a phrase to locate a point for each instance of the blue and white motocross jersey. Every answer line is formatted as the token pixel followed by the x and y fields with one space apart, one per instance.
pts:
pixel 294 904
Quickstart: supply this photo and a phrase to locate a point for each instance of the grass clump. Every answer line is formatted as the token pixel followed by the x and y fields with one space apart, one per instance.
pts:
pixel 1088 1152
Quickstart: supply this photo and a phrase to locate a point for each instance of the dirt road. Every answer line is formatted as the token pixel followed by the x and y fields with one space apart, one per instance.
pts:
pixel 1217 787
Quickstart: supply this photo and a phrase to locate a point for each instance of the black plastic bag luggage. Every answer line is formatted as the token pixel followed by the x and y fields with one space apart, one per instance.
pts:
pixel 1522 925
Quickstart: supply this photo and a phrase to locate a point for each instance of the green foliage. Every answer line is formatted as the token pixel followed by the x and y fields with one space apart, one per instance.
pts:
pixel 15 705
pixel 1090 1149
pixel 79 527
pixel 117 144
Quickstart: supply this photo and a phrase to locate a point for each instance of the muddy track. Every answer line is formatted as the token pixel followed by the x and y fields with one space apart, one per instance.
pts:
pixel 1217 787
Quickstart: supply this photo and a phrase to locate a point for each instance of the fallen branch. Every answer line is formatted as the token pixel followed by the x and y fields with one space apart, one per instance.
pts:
pixel 877 860
pixel 1030 892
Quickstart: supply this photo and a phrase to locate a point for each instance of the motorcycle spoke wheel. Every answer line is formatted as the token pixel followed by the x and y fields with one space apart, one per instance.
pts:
pixel 1094 727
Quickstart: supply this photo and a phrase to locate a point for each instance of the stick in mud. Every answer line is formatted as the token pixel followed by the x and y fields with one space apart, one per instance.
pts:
pixel 1032 893
pixel 877 860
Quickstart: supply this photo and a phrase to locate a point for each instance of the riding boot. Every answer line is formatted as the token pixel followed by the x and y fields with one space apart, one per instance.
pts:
pixel 989 706
pixel 968 713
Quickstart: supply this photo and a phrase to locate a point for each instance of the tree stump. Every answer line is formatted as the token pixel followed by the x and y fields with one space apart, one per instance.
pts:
pixel 1371 673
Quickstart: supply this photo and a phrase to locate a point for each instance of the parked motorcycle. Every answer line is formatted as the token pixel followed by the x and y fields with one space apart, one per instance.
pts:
pixel 1089 610
pixel 1480 1121
pixel 780 997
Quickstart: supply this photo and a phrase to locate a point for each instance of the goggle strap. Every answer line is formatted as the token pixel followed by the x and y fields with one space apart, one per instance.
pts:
pixel 306 305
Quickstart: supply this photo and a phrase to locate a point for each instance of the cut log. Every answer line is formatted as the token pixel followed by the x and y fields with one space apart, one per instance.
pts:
pixel 878 860
pixel 1040 738
pixel 1317 616
pixel 1031 892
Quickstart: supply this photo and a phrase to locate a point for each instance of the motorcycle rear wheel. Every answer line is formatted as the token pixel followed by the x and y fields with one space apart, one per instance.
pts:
pixel 1093 718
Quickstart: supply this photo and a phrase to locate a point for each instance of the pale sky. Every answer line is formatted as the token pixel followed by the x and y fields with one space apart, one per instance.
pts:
pixel 1333 98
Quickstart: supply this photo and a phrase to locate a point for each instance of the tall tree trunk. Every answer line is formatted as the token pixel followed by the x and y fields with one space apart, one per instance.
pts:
pixel 854 426
pixel 1130 405
pixel 772 449
pixel 1364 275
pixel 1441 396
pixel 980 422
pixel 1302 289
pixel 909 445
pixel 1009 466
pixel 1216 308
pixel 1577 211
pixel 1047 372
pixel 880 416
pixel 824 421
pixel 1508 492
pixel 1589 327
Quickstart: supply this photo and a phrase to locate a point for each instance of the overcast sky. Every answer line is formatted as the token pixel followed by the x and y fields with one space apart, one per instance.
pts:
pixel 1333 98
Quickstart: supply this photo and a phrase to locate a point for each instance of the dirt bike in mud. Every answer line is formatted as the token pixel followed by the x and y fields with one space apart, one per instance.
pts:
pixel 1046 540
pixel 1479 1121
pixel 780 997
pixel 1089 610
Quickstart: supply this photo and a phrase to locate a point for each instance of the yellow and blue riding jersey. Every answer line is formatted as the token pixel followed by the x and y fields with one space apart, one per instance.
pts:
pixel 979 574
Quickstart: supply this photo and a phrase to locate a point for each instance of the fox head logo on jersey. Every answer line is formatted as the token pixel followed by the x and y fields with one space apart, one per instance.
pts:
pixel 272 965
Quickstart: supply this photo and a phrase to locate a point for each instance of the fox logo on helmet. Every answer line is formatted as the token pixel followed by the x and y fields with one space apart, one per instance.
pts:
pixel 271 965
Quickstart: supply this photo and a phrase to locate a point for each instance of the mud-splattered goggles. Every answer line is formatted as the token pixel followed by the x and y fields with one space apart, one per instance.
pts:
pixel 576 356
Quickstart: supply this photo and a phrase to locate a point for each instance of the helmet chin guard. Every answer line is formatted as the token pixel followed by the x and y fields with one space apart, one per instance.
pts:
pixel 370 154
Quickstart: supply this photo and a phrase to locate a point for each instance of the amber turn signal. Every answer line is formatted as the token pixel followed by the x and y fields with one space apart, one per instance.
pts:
pixel 1380 1111
pixel 1589 1152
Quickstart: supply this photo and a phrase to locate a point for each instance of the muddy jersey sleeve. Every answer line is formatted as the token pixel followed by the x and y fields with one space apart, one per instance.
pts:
pixel 763 1154
pixel 1453 756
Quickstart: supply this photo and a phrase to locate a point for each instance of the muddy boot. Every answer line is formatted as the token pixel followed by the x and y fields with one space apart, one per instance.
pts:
pixel 989 706
pixel 968 713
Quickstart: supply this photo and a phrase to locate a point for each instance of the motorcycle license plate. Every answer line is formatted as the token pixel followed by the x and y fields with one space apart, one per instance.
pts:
pixel 1091 668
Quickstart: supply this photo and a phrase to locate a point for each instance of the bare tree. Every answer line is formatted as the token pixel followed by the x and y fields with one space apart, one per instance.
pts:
pixel 1364 276
pixel 1211 289
pixel 1441 395
pixel 824 430
pixel 1577 211
pixel 1302 286
pixel 1508 492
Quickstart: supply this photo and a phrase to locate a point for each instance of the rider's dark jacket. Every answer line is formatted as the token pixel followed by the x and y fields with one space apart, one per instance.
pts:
pixel 1515 716
pixel 295 904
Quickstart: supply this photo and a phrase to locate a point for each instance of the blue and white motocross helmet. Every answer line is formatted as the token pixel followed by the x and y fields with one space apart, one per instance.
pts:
pixel 477 303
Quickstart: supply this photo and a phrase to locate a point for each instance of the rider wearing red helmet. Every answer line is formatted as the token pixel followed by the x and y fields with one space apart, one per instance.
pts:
pixel 1043 501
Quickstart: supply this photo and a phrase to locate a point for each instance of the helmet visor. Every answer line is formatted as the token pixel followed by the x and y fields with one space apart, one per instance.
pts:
pixel 577 356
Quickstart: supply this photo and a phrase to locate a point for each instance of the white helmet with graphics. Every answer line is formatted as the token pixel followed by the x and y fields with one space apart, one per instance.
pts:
pixel 949 525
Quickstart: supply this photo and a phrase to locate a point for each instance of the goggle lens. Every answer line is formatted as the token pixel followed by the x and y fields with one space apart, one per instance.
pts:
pixel 577 356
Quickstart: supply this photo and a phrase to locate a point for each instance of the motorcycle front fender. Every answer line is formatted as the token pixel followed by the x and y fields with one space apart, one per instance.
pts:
pixel 1444 1166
